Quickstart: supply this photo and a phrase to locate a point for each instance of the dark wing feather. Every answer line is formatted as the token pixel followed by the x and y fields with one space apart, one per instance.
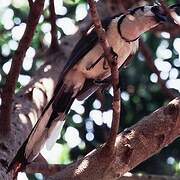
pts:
pixel 85 44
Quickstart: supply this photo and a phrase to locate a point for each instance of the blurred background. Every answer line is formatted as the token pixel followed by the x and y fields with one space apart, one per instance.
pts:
pixel 88 122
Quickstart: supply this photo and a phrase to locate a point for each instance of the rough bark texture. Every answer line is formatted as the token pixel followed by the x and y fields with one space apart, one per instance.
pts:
pixel 148 177
pixel 28 104
pixel 17 60
pixel 133 146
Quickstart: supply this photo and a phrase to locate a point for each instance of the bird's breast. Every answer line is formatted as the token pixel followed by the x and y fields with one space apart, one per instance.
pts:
pixel 95 67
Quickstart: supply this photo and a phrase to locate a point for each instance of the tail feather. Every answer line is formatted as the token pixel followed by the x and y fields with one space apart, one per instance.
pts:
pixel 19 158
pixel 46 130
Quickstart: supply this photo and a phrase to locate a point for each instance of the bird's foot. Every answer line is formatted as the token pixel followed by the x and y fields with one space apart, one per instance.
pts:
pixel 114 55
pixel 113 60
pixel 101 82
pixel 96 62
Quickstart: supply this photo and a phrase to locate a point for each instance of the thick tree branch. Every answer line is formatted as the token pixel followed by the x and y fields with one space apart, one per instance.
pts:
pixel 9 88
pixel 148 177
pixel 45 169
pixel 133 146
pixel 114 73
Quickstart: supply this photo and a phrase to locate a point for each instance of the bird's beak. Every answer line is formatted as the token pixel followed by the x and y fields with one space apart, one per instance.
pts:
pixel 159 14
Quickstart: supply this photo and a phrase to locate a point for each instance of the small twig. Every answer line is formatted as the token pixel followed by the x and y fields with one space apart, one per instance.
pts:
pixel 114 72
pixel 171 14
pixel 30 3
pixel 149 59
pixel 9 88
pixel 54 41
pixel 45 169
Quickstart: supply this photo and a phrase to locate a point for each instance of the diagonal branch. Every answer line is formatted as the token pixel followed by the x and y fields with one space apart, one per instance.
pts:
pixel 171 14
pixel 45 169
pixel 133 146
pixel 54 41
pixel 9 88
pixel 115 77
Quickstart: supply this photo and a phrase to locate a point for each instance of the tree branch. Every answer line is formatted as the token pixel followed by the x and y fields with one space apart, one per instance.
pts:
pixel 9 88
pixel 45 169
pixel 30 3
pixel 54 41
pixel 133 146
pixel 109 147
pixel 148 177
pixel 171 14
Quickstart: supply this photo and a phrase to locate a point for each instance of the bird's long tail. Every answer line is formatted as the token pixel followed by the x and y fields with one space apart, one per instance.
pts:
pixel 46 131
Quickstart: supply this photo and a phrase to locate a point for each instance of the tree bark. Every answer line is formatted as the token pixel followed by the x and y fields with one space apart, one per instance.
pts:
pixel 133 146
pixel 29 103
pixel 148 177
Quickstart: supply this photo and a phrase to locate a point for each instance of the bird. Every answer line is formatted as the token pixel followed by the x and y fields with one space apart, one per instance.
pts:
pixel 85 72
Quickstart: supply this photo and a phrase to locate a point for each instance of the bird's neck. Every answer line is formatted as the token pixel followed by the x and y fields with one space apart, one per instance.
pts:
pixel 130 27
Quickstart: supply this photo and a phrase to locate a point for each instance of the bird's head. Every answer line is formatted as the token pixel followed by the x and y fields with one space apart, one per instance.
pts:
pixel 140 20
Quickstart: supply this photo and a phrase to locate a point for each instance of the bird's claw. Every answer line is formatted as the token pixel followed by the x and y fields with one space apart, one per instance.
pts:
pixel 114 55
pixel 101 82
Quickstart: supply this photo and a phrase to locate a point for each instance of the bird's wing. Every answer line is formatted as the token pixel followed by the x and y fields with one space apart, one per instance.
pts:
pixel 85 44
pixel 58 105
pixel 90 87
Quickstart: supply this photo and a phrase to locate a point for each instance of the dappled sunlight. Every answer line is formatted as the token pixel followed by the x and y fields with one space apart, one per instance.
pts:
pixel 77 118
pixel 13 44
pixel 107 117
pixel 83 9
pixel 6 18
pixel 173 83
pixel 67 25
pixel 165 35
pixel 23 118
pixel 33 116
pixel 22 176
pixel 170 160
pixel 6 66
pixel 96 104
pixel 96 116
pixel 49 85
pixel 24 79
pixel 162 65
pixel 56 150
pixel 154 78
pixel 83 165
pixel 72 137
pixel 18 31
pixel 77 107
pixel 47 39
pixel 125 96
pixel 59 8
pixel 19 3
pixel 47 68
